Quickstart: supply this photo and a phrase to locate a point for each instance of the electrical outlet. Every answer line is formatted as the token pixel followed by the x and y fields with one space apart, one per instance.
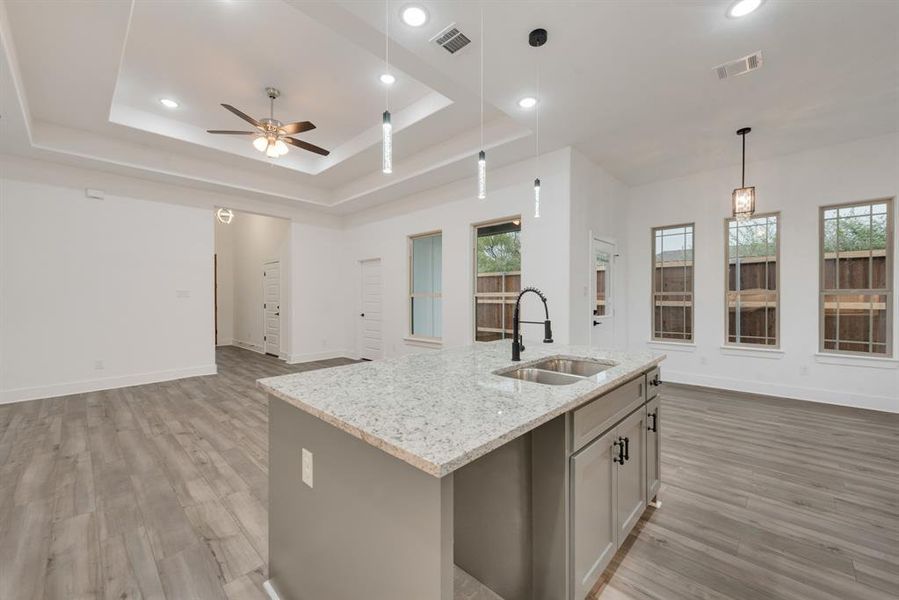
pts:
pixel 98 365
pixel 182 293
pixel 307 467
pixel 703 360
pixel 803 370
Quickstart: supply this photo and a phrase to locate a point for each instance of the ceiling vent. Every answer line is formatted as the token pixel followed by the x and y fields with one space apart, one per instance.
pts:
pixel 451 39
pixel 741 66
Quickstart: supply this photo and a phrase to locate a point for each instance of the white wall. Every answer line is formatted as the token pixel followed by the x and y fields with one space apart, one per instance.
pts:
pixel 796 186
pixel 321 313
pixel 120 280
pixel 453 209
pixel 224 252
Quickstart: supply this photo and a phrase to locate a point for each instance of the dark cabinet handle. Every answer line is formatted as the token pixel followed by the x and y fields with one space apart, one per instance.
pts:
pixel 627 455
pixel 655 421
pixel 655 381
pixel 620 445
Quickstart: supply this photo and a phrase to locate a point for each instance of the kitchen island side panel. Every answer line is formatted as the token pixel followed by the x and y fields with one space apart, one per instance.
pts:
pixel 372 526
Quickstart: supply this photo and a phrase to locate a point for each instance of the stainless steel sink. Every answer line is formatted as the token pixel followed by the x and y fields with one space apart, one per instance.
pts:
pixel 539 376
pixel 558 370
pixel 582 367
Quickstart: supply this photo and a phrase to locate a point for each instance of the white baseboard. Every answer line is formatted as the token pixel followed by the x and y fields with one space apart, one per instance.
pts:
pixel 248 346
pixel 824 396
pixel 105 383
pixel 294 359
pixel 269 588
pixel 225 342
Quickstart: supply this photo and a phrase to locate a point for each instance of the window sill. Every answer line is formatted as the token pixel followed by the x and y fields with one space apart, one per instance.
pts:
pixel 850 360
pixel 424 342
pixel 673 346
pixel 772 353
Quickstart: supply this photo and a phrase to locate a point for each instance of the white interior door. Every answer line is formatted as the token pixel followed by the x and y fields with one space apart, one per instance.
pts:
pixel 271 307
pixel 369 330
pixel 602 265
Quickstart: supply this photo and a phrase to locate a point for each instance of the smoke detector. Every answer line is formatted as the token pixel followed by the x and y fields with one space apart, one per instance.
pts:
pixel 451 39
pixel 741 66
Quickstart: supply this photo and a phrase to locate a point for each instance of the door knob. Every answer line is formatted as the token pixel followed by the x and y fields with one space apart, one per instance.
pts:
pixel 595 323
pixel 361 314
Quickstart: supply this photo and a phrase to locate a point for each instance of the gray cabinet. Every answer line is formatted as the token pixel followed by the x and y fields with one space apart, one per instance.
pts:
pixel 593 518
pixel 653 448
pixel 608 495
pixel 630 486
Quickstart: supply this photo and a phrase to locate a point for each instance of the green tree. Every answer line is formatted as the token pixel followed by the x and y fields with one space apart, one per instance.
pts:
pixel 499 253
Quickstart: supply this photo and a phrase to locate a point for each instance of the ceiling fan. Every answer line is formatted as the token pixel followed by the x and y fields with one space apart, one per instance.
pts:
pixel 272 136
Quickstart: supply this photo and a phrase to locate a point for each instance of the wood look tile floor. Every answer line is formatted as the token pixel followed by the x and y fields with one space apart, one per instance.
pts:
pixel 160 491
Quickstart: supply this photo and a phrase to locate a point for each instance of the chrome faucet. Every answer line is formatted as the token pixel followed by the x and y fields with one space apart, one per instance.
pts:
pixel 518 340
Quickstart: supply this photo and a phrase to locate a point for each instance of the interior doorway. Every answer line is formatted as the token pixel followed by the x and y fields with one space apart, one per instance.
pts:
pixel 271 307
pixel 602 278
pixel 252 291
pixel 368 331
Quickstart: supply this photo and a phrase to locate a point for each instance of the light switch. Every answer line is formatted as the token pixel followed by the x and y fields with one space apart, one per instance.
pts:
pixel 307 467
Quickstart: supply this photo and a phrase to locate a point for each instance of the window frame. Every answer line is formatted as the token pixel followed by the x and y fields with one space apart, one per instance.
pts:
pixel 777 303
pixel 411 294
pixel 888 291
pixel 652 282
pixel 473 279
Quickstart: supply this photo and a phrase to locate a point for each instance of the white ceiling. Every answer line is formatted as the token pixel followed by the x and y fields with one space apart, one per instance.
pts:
pixel 628 83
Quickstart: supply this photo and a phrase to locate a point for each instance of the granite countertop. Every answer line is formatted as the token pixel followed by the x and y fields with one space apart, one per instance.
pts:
pixel 440 410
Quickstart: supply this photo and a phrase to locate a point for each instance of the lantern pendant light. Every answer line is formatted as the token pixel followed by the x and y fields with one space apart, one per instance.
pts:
pixel 743 198
pixel 386 126
pixel 482 156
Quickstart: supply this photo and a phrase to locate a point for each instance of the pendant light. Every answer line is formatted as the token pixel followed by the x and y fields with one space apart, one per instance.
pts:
pixel 386 126
pixel 743 198
pixel 536 39
pixel 482 156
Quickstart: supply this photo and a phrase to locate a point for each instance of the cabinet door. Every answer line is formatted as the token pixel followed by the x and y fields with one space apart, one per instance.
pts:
pixel 593 523
pixel 653 448
pixel 631 483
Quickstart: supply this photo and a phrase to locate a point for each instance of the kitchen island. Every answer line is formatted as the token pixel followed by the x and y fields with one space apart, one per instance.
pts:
pixel 386 475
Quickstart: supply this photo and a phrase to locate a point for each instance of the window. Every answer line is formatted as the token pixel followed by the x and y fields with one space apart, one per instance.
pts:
pixel 752 297
pixel 672 283
pixel 497 255
pixel 425 284
pixel 856 278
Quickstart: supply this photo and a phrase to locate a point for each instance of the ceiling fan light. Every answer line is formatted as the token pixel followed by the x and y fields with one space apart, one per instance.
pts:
pixel 271 151
pixel 281 148
pixel 260 143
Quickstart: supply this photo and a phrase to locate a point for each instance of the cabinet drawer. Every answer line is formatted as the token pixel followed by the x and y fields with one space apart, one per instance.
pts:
pixel 598 415
pixel 653 379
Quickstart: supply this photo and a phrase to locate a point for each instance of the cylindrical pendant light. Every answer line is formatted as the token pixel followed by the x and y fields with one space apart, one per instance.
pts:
pixel 386 126
pixel 743 198
pixel 536 39
pixel 387 144
pixel 482 155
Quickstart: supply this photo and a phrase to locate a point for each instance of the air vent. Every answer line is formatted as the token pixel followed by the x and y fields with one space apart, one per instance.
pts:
pixel 740 66
pixel 451 39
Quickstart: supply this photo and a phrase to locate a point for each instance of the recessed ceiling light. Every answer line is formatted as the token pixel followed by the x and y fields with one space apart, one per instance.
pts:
pixel 414 15
pixel 741 8
pixel 387 79
pixel 527 102
pixel 168 103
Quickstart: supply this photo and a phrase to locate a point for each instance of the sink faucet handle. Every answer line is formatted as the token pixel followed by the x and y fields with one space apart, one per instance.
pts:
pixel 521 342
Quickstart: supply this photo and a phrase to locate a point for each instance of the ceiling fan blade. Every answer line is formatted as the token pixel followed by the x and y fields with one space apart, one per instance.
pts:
pixel 306 146
pixel 229 132
pixel 242 115
pixel 298 127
